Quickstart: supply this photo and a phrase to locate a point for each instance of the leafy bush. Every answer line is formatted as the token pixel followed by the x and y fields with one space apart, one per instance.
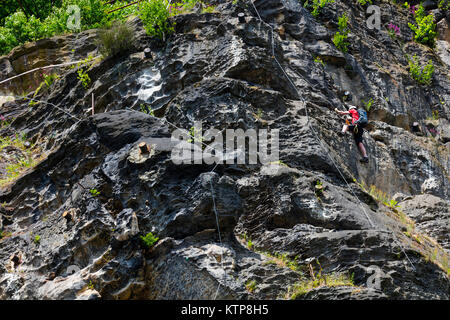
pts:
pixel 340 42
pixel 317 5
pixel 425 30
pixel 37 8
pixel 368 104
pixel 19 27
pixel 343 23
pixel 364 2
pixel 340 38
pixel 7 40
pixel 444 5
pixel 116 40
pixel 84 78
pixel 155 16
pixel 421 74
pixel 24 29
pixel 149 240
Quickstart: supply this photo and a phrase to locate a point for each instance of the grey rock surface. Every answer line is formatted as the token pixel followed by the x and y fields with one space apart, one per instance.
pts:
pixel 221 72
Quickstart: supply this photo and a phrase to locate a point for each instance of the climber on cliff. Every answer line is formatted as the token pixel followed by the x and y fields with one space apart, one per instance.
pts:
pixel 357 128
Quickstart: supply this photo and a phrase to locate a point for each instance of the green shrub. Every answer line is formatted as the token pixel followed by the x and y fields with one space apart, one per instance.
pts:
pixel 116 40
pixel 17 29
pixel 340 38
pixel 422 74
pixel 24 29
pixel 444 5
pixel 84 78
pixel 343 23
pixel 155 16
pixel 425 30
pixel 340 41
pixel 149 240
pixel 317 5
pixel 368 104
pixel 7 40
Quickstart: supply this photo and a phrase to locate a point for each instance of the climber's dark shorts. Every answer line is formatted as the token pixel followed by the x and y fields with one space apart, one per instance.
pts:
pixel 357 136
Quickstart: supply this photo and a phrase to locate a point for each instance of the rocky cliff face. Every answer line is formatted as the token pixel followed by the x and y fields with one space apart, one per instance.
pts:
pixel 219 69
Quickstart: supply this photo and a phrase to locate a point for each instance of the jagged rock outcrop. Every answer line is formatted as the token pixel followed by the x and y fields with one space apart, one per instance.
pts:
pixel 219 71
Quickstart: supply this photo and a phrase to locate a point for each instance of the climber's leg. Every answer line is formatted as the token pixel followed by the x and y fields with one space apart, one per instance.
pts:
pixel 344 129
pixel 359 142
pixel 362 149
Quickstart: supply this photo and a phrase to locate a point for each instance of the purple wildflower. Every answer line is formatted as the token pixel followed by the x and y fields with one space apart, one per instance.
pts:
pixel 432 131
pixel 413 10
pixel 394 29
pixel 2 118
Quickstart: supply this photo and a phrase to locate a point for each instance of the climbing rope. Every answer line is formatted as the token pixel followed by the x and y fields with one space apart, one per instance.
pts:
pixel 314 131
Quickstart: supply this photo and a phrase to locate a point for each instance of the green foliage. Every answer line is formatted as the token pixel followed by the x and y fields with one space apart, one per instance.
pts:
pixel 4 234
pixel 250 286
pixel 25 24
pixel 340 41
pixel 364 2
pixel 209 9
pixel 343 23
pixel 82 74
pixel 425 30
pixel 91 285
pixel 422 74
pixel 340 38
pixel 7 40
pixel 249 244
pixel 149 240
pixel 19 165
pixel 155 16
pixel 37 239
pixel 282 260
pixel 434 115
pixel 24 29
pixel 319 60
pixel 38 8
pixel 318 188
pixel 84 78
pixel 318 280
pixel 196 135
pixel 116 40
pixel 444 5
pixel 148 110
pixel 368 104
pixel 48 80
pixel 317 5
pixel 94 192
pixel 391 204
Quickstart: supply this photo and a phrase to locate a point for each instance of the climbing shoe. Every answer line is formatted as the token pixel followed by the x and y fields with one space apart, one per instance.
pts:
pixel 364 160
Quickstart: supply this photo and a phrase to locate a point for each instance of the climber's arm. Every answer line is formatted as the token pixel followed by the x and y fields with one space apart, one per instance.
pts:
pixel 341 112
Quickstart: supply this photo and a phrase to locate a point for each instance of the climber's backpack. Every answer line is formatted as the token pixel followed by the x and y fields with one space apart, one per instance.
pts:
pixel 363 120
